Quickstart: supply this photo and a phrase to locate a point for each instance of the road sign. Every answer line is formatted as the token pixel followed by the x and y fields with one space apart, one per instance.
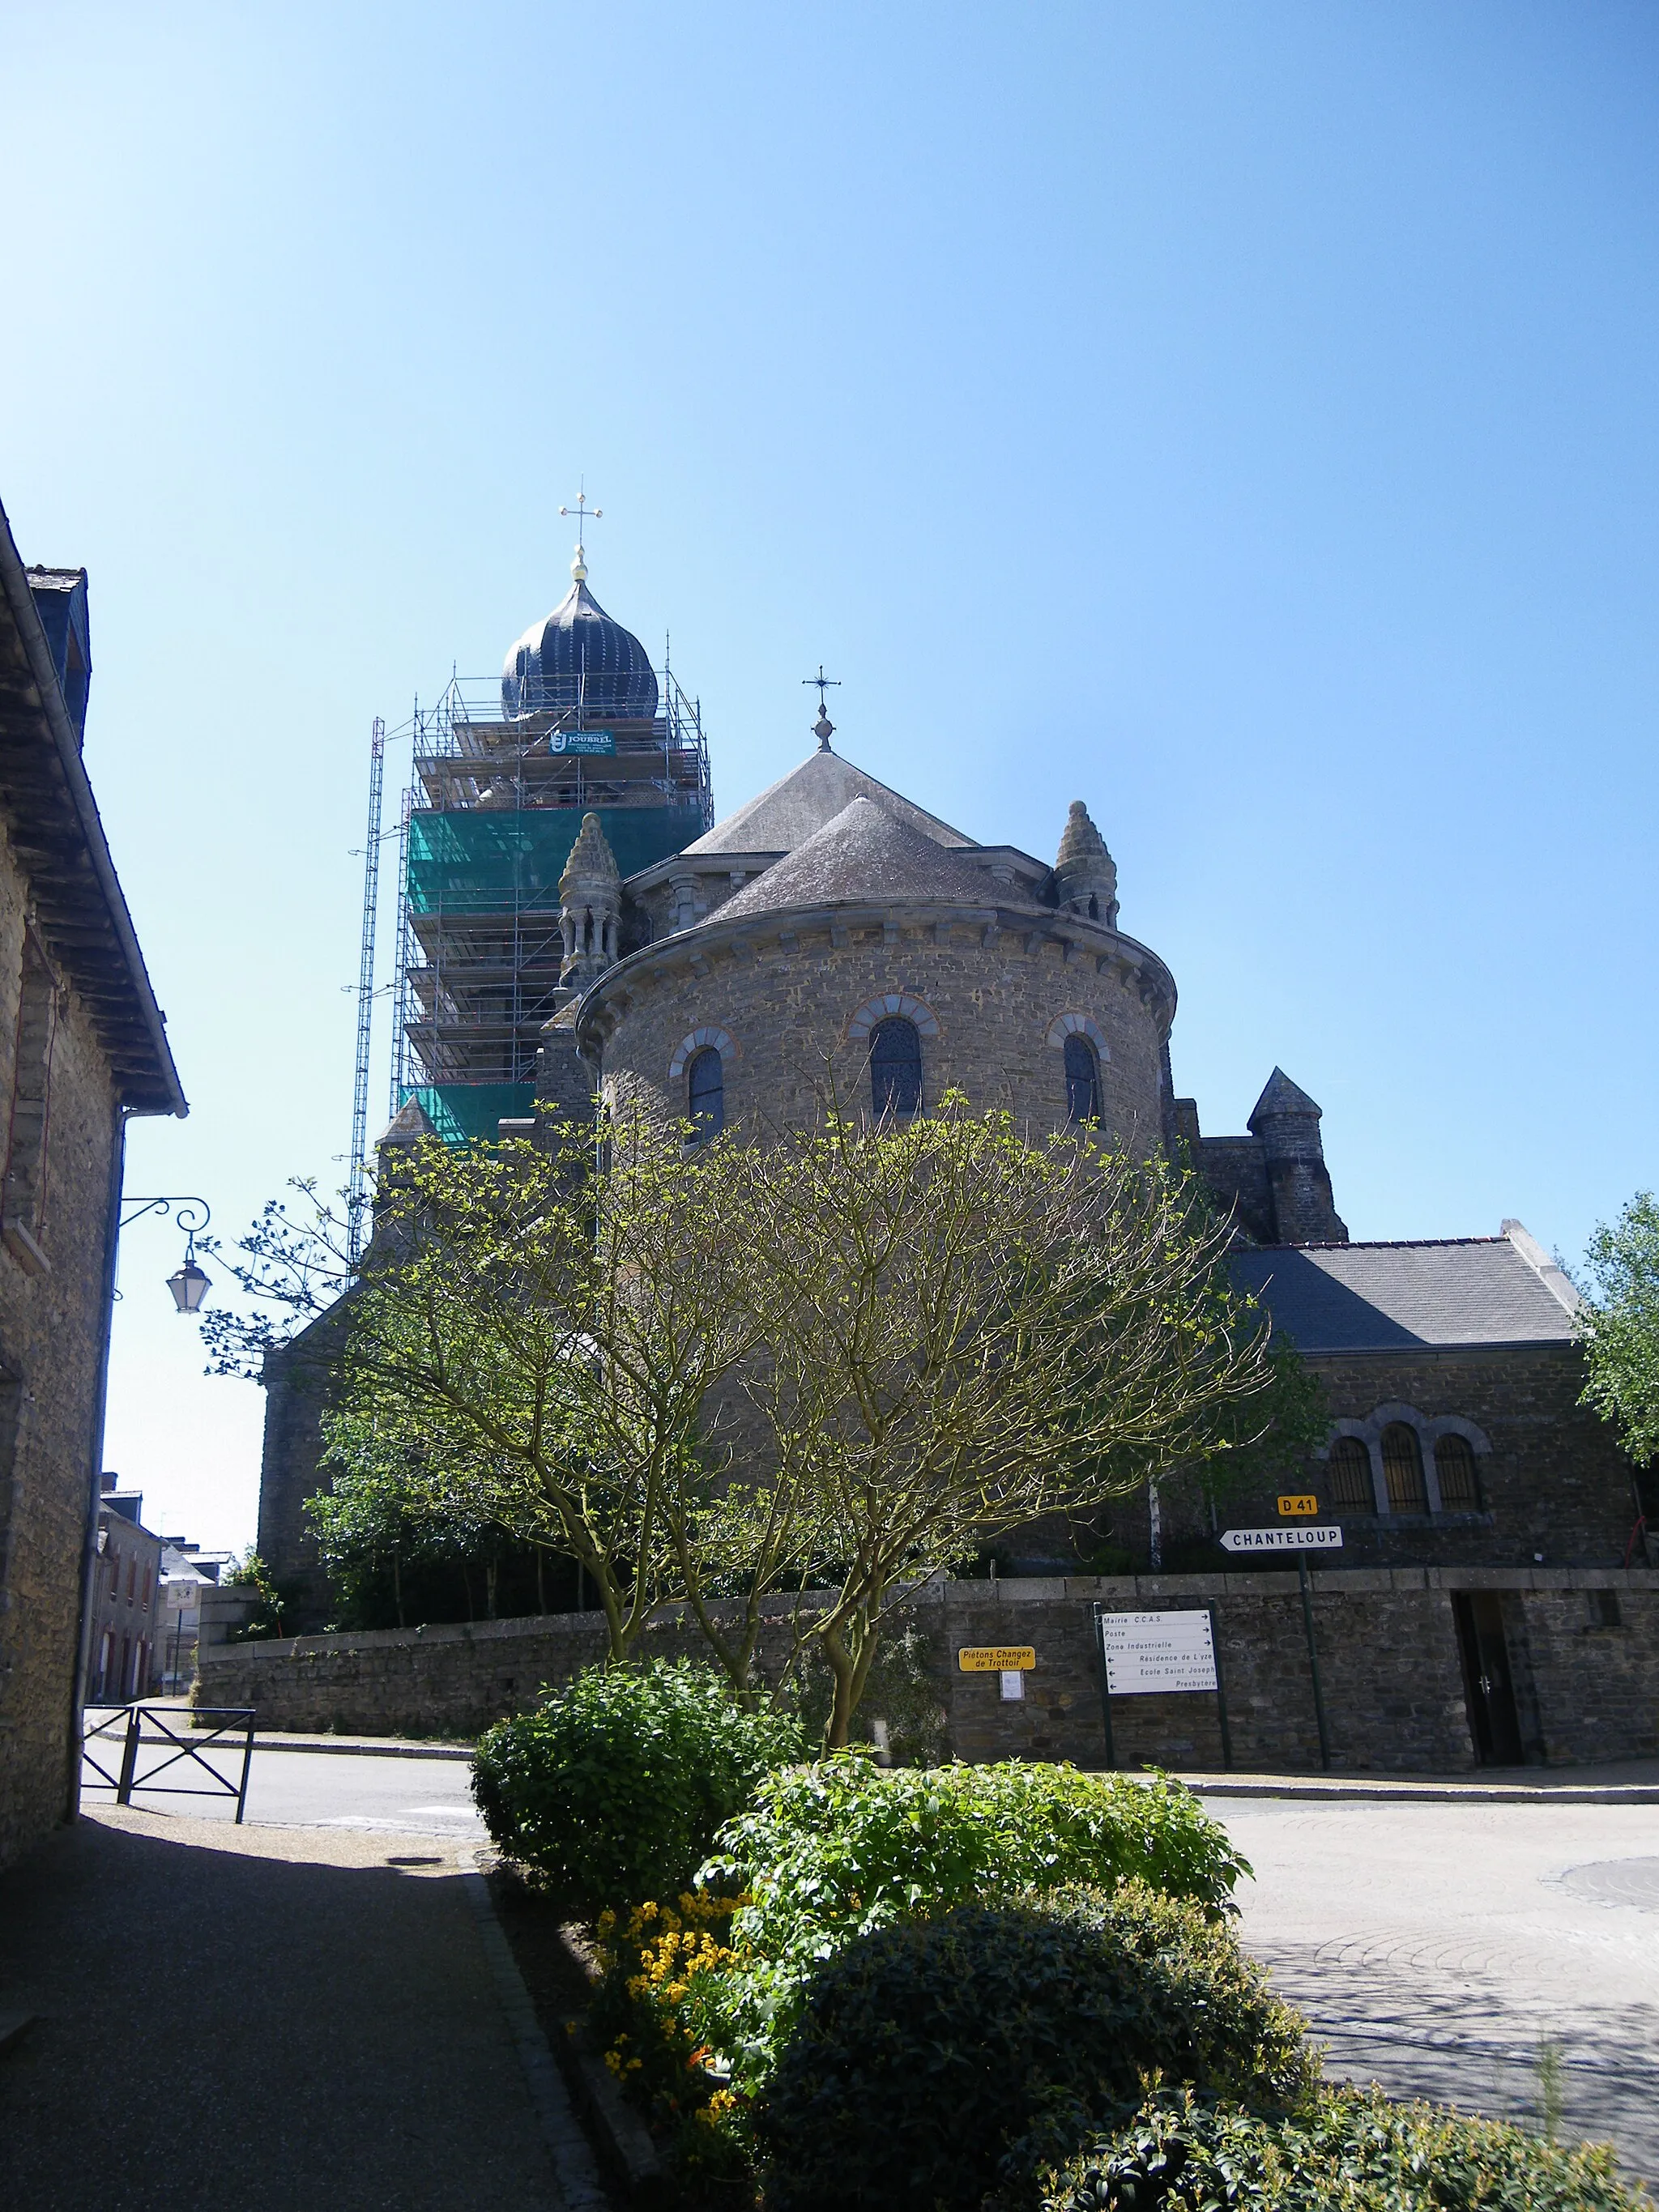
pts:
pixel 1146 1652
pixel 1282 1539
pixel 1304 1507
pixel 996 1659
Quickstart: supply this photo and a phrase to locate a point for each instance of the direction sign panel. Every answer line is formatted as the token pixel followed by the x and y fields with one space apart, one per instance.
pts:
pixel 1146 1652
pixel 1282 1539
pixel 1303 1506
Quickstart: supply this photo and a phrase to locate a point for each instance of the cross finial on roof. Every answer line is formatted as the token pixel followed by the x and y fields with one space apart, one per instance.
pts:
pixel 584 513
pixel 824 729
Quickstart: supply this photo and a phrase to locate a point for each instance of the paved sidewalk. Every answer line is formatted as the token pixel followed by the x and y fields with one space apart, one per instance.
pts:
pixel 256 2019
pixel 1623 1782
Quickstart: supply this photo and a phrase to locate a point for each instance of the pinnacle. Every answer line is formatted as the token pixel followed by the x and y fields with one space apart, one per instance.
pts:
pixel 591 856
pixel 1282 1097
pixel 1080 839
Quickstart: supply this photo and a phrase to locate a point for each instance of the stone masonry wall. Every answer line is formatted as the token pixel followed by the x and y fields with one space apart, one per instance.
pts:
pixel 1387 1651
pixel 50 1379
pixel 785 999
pixel 1555 1488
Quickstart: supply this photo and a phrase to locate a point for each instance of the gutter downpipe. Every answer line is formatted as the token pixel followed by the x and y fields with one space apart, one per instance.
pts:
pixel 95 1473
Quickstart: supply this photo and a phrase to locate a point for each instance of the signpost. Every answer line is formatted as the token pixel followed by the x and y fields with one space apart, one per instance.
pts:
pixel 1281 1539
pixel 1150 1654
pixel 582 741
pixel 996 1658
pixel 1013 1661
pixel 1146 1652
pixel 1301 1540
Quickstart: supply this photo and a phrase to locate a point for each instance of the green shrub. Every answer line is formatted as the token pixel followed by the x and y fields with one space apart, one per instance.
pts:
pixel 1347 2151
pixel 833 1851
pixel 935 2059
pixel 901 1693
pixel 615 1787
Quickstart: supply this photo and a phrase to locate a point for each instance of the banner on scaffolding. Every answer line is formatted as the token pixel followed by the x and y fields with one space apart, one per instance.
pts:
pixel 582 741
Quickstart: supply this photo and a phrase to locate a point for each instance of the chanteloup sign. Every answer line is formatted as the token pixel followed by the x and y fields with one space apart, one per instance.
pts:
pixel 1147 1652
pixel 1281 1539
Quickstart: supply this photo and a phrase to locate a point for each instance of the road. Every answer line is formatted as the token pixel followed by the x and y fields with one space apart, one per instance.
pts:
pixel 1436 1946
pixel 306 1789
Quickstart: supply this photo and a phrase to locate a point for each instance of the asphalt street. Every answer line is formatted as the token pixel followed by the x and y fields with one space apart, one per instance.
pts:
pixel 1438 1947
pixel 298 1788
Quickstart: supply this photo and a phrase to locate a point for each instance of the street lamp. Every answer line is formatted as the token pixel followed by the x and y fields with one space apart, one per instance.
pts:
pixel 189 1284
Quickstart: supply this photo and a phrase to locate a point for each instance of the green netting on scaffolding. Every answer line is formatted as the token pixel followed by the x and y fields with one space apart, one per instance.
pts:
pixel 462 1111
pixel 475 860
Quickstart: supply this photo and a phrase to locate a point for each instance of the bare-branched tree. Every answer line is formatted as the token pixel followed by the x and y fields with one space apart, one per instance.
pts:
pixel 981 1332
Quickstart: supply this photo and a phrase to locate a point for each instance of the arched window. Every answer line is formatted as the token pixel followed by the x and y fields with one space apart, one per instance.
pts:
pixel 1454 1462
pixel 1082 1080
pixel 705 1093
pixel 1348 1481
pixel 1402 1469
pixel 894 1066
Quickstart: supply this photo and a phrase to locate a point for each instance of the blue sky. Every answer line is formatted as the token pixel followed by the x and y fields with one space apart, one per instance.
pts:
pixel 1241 418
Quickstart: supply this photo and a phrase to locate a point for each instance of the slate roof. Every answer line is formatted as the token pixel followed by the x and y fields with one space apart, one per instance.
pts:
pixel 788 813
pixel 52 820
pixel 1282 1097
pixel 862 853
pixel 1375 1297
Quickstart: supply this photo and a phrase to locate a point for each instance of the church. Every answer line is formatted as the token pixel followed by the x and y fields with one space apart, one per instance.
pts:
pixel 576 924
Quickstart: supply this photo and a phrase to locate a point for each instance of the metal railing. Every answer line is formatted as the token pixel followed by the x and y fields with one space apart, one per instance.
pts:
pixel 232 1721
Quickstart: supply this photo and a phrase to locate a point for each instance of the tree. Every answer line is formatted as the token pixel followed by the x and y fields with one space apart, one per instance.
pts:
pixel 1618 1326
pixel 385 1512
pixel 539 1338
pixel 973 1332
pixel 295 1266
pixel 723 1372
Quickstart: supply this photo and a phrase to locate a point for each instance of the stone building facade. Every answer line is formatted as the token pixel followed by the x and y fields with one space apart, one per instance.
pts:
pixel 82 1047
pixel 833 942
pixel 124 1628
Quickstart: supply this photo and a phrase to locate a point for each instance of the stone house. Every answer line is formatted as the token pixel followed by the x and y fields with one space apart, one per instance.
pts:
pixel 124 1607
pixel 82 1047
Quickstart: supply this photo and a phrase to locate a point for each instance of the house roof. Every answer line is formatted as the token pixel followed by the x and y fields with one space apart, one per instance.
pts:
pixel 52 821
pixel 788 813
pixel 861 852
pixel 1375 1297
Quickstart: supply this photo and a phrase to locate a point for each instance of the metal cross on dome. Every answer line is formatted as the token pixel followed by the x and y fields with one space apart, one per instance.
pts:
pixel 824 729
pixel 584 514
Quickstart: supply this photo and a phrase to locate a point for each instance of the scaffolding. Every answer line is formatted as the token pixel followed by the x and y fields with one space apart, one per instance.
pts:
pixel 357 1184
pixel 488 821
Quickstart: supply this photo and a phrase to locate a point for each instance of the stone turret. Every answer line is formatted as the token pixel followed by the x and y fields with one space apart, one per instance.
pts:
pixel 1286 1123
pixel 590 908
pixel 1085 874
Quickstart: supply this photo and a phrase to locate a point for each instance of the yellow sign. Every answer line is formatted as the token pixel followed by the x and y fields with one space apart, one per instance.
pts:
pixel 996 1659
pixel 1297 1508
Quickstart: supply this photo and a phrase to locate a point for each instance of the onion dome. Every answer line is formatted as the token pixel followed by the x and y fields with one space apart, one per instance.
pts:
pixel 579 659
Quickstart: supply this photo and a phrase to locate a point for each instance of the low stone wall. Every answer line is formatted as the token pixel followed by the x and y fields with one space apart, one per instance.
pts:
pixel 1389 1667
